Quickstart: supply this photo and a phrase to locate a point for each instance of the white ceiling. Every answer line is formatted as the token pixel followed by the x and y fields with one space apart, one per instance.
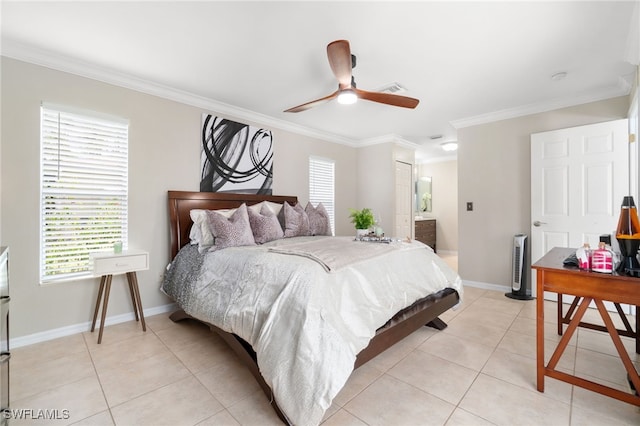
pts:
pixel 467 62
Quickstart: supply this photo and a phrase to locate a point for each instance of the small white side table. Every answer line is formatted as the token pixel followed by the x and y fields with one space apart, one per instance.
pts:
pixel 108 264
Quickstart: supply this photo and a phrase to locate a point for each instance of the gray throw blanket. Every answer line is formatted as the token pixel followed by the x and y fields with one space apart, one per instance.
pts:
pixel 336 252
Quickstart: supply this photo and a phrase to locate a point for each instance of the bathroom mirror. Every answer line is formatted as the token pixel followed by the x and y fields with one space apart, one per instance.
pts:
pixel 423 194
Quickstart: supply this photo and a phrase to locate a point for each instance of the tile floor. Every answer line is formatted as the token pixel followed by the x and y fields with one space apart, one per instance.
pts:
pixel 478 371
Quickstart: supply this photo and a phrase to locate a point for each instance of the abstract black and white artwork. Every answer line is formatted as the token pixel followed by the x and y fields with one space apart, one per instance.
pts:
pixel 235 157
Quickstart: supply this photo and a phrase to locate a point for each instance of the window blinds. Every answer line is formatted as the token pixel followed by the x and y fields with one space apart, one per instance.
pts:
pixel 321 185
pixel 84 189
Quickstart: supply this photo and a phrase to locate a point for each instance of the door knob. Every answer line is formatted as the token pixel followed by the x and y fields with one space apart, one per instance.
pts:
pixel 538 223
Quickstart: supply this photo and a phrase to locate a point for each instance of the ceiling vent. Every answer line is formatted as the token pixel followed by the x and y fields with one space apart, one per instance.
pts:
pixel 392 88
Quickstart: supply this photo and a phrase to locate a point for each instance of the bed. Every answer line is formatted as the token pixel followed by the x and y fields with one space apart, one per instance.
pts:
pixel 414 312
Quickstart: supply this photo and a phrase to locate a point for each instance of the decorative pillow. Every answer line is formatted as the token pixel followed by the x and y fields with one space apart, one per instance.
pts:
pixel 232 231
pixel 200 233
pixel 265 225
pixel 319 223
pixel 294 220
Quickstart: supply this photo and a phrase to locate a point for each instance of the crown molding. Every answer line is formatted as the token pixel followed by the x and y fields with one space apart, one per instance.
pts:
pixel 622 88
pixel 21 52
pixel 390 138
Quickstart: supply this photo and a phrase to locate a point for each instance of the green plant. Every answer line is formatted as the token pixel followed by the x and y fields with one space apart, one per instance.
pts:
pixel 362 219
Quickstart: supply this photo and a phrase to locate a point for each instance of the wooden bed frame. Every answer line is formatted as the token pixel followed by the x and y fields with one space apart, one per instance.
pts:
pixel 423 312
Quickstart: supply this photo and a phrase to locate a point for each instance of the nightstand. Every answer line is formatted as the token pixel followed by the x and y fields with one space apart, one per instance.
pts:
pixel 108 264
pixel 426 232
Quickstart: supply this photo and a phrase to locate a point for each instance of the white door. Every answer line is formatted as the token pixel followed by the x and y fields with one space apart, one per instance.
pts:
pixel 404 201
pixel 578 179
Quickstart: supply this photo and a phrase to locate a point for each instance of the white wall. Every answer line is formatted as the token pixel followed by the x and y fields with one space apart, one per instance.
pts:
pixel 494 172
pixel 164 154
pixel 376 180
pixel 444 189
pixel 376 172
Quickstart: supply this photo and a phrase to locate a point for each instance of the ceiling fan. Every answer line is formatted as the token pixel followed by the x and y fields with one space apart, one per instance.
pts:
pixel 342 61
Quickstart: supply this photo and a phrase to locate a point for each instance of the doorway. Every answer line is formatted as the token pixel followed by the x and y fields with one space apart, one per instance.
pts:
pixel 404 200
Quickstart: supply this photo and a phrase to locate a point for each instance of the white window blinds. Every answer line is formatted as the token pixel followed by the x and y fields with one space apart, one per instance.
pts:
pixel 84 189
pixel 321 186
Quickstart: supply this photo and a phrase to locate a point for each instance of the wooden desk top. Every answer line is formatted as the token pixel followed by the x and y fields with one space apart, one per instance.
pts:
pixel 570 280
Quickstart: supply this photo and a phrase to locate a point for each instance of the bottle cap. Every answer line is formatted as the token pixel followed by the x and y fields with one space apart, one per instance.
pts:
pixel 627 201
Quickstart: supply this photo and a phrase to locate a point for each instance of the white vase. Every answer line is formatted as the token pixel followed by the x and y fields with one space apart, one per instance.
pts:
pixel 361 233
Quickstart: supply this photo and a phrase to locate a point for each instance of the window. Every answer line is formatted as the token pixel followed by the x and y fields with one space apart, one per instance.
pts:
pixel 321 186
pixel 84 180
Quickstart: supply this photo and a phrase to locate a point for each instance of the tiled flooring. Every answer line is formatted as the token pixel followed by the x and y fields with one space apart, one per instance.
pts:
pixel 478 371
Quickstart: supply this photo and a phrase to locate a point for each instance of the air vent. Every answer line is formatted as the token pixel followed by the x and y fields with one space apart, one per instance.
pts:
pixel 393 88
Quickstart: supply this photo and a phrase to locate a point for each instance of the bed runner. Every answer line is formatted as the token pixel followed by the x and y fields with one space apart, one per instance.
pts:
pixel 337 252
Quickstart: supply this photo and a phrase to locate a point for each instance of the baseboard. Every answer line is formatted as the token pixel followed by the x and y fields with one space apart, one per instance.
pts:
pixel 86 326
pixel 487 286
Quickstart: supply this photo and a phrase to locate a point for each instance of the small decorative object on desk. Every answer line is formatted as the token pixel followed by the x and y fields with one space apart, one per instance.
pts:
pixel 117 247
pixel 602 259
pixel 583 254
pixel 628 236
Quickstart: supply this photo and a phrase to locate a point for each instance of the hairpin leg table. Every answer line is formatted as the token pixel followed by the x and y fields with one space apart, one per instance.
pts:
pixel 106 265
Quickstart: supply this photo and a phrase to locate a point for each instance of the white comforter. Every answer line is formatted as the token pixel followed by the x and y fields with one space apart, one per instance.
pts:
pixel 306 324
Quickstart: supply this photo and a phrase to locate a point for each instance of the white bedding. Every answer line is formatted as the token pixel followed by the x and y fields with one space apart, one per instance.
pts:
pixel 307 325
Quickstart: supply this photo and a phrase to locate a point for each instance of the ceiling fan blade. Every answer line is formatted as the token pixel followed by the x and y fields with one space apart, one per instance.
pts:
pixel 311 104
pixel 339 54
pixel 387 98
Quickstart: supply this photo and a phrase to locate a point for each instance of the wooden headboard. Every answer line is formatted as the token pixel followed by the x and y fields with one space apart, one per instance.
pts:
pixel 182 202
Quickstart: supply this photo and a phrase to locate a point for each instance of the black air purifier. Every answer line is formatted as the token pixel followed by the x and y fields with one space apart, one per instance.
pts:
pixel 520 286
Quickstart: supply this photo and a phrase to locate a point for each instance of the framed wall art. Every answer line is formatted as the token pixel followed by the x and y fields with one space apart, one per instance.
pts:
pixel 235 157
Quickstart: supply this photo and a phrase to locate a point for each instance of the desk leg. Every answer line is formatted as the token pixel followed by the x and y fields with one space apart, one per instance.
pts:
pixel 107 290
pixel 638 331
pixel 133 296
pixel 137 301
pixel 540 331
pixel 560 314
pixel 617 342
pixel 573 326
pixel 95 313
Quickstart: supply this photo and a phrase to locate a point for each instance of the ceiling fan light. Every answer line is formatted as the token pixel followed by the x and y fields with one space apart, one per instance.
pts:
pixel 347 97
pixel 449 146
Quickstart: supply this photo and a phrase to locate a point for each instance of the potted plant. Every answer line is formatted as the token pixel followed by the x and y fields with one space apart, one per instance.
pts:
pixel 363 220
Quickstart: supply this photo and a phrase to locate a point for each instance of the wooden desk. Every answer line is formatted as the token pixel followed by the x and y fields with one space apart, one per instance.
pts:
pixel 590 287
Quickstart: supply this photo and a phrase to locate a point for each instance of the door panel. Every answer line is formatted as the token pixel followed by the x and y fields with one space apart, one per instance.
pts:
pixel 578 179
pixel 404 194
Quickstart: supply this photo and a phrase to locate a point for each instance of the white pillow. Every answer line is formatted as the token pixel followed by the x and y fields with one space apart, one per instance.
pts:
pixel 195 235
pixel 275 207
